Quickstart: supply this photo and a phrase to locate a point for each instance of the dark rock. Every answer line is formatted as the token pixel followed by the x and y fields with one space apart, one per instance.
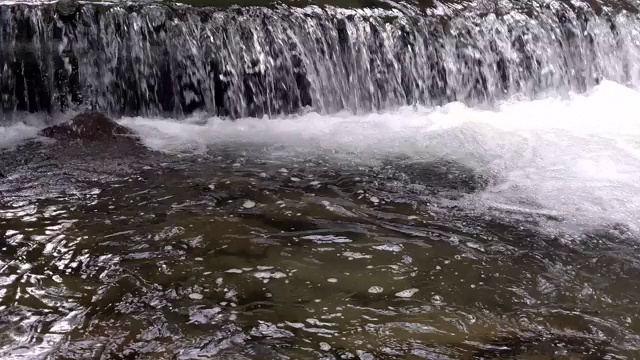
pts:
pixel 92 126
pixel 67 8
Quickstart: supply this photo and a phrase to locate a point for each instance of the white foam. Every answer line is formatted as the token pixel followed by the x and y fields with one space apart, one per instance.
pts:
pixel 578 158
pixel 575 158
pixel 17 133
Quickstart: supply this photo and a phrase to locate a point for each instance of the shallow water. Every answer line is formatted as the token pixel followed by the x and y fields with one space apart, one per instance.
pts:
pixel 444 233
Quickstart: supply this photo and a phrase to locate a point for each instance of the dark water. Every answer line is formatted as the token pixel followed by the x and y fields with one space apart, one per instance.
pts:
pixel 120 252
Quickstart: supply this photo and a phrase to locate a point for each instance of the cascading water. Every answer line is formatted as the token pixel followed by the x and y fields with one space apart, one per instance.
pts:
pixel 238 62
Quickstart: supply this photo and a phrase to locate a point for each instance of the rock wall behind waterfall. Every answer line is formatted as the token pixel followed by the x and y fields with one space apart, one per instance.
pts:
pixel 158 60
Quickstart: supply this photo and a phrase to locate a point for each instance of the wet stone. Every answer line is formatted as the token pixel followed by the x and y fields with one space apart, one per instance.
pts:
pixel 91 126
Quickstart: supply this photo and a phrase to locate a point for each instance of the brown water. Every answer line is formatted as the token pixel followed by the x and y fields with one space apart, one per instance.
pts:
pixel 125 253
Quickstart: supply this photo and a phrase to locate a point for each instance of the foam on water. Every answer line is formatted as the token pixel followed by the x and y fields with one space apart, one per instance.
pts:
pixel 577 158
pixel 15 134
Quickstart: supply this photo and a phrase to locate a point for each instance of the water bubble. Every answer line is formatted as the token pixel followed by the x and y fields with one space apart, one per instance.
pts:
pixel 196 296
pixel 389 247
pixel 436 299
pixel 356 255
pixel 376 289
pixel 324 346
pixel 270 275
pixel 332 280
pixel 364 355
pixel 407 293
pixel 471 318
pixel 248 204
pixel 231 294
pixel 476 246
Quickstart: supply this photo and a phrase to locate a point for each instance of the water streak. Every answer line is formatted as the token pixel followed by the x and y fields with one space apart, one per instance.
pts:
pixel 175 60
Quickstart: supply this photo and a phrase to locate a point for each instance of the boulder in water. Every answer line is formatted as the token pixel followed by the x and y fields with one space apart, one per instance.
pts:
pixel 91 126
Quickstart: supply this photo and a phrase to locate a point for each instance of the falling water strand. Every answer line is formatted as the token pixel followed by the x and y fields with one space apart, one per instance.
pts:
pixel 157 60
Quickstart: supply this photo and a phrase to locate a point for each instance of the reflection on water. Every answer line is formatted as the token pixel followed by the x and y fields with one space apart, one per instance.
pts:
pixel 113 253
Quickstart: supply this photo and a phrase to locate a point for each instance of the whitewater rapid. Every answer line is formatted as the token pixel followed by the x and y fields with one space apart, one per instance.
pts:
pixel 576 158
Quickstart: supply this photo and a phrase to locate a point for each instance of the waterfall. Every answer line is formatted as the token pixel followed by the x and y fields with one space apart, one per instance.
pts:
pixel 173 60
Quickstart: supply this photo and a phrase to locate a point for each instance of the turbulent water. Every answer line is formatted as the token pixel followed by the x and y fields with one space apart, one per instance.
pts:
pixel 451 182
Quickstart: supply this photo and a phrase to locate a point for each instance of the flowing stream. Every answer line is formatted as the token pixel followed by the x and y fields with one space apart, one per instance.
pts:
pixel 458 181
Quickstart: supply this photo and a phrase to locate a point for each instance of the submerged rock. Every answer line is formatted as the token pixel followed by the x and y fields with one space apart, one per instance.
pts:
pixel 92 126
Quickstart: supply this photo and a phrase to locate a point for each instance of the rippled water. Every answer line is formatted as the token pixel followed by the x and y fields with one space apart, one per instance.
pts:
pixel 443 233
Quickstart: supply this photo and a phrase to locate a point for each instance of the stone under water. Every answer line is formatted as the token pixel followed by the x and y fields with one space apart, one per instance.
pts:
pixel 91 126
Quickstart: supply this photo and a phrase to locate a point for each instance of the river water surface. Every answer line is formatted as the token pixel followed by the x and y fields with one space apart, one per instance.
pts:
pixel 416 233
